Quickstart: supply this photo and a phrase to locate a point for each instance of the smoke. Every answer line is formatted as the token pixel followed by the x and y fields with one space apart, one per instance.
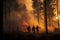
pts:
pixel 31 18
pixel 28 4
pixel 25 15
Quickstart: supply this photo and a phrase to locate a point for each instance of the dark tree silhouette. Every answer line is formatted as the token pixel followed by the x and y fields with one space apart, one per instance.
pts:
pixel 45 15
pixel 48 12
pixel 8 6
pixel 37 7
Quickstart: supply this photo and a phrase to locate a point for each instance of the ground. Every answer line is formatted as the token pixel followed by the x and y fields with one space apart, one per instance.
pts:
pixel 31 36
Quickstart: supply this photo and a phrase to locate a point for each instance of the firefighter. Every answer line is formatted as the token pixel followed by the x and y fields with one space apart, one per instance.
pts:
pixel 33 28
pixel 28 28
pixel 37 28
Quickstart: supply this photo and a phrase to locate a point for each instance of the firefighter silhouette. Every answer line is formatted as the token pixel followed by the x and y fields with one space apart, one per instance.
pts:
pixel 37 28
pixel 56 29
pixel 33 28
pixel 28 28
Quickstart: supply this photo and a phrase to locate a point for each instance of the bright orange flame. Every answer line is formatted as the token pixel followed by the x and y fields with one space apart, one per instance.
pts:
pixel 50 29
pixel 32 21
pixel 24 26
pixel 24 23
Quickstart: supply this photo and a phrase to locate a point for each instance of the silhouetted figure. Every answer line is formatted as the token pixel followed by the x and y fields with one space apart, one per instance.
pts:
pixel 37 28
pixel 56 29
pixel 28 28
pixel 33 28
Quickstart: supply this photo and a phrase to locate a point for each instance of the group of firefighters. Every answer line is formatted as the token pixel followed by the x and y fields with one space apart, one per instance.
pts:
pixel 33 28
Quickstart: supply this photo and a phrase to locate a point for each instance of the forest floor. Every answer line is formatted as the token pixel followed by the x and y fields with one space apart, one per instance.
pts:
pixel 32 36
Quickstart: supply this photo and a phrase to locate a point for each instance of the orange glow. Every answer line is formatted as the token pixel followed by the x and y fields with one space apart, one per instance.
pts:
pixel 32 21
pixel 50 29
pixel 56 17
pixel 24 23
pixel 26 14
pixel 59 17
pixel 24 26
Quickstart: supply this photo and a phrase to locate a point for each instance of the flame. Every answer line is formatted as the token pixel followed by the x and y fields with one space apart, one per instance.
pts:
pixel 51 29
pixel 25 23
pixel 31 19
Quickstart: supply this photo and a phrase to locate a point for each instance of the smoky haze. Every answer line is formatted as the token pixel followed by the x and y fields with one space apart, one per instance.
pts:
pixel 18 14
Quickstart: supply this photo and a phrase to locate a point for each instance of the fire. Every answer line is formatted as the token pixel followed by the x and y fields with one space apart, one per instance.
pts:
pixel 25 23
pixel 56 17
pixel 24 26
pixel 26 17
pixel 50 29
pixel 31 19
